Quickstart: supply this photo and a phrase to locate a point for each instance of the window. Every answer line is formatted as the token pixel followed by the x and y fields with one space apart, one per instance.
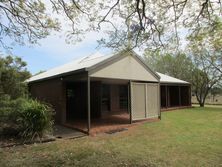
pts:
pixel 123 97
pixel 105 98
pixel 70 93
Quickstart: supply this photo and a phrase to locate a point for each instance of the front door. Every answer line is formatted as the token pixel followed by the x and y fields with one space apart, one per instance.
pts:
pixel 138 101
pixel 144 100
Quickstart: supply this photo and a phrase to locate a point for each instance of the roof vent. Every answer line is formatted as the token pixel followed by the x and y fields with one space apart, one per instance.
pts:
pixel 91 57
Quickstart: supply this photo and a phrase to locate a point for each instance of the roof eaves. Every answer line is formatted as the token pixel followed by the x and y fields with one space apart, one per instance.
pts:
pixel 179 83
pixel 59 75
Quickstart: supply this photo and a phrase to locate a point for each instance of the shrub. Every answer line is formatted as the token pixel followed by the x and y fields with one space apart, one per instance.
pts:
pixel 34 119
pixel 8 115
pixel 25 117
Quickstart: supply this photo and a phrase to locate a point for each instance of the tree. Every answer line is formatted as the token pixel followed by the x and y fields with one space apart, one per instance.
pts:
pixel 201 85
pixel 24 21
pixel 13 73
pixel 179 65
pixel 195 70
pixel 205 77
pixel 205 48
pixel 206 43
pixel 143 22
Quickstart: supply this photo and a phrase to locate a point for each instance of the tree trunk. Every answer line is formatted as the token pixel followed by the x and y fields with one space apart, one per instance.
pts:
pixel 201 101
pixel 201 104
pixel 201 98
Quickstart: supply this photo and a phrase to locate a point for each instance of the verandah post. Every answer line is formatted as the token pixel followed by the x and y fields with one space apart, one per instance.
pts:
pixel 179 95
pixel 129 101
pixel 88 103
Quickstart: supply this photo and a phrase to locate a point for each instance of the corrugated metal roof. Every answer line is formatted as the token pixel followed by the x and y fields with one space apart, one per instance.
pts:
pixel 87 62
pixel 75 65
pixel 168 79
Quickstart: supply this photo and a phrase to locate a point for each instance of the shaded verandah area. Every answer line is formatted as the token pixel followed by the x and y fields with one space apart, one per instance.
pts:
pixel 175 96
pixel 97 105
pixel 97 125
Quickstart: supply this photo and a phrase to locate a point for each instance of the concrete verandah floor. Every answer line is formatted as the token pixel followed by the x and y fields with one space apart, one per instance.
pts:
pixel 108 124
pixel 60 131
pixel 104 124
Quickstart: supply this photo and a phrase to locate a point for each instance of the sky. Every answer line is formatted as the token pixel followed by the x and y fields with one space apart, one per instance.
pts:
pixel 54 51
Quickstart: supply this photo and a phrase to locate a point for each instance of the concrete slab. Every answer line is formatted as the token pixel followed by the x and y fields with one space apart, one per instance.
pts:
pixel 60 131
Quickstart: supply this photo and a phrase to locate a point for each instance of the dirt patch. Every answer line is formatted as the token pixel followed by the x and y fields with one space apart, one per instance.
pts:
pixel 116 131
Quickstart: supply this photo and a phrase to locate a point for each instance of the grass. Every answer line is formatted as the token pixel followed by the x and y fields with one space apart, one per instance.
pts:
pixel 189 137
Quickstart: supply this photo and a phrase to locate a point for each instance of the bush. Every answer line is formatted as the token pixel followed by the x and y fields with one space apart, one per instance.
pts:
pixel 25 117
pixel 35 119
pixel 8 116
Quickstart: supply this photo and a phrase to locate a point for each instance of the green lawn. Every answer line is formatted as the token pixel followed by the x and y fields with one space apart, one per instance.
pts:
pixel 189 137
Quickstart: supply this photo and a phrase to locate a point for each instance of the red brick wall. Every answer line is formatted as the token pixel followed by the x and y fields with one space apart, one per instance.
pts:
pixel 52 92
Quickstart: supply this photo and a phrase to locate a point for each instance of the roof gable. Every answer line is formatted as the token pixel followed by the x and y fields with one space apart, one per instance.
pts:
pixel 125 65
